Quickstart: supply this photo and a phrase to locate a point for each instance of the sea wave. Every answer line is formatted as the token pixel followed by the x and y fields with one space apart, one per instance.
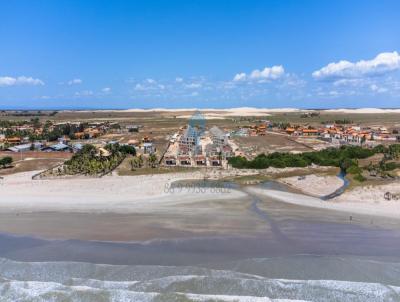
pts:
pixel 72 281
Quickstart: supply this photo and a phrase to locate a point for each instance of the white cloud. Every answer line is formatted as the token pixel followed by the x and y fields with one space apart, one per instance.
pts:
pixel 149 85
pixel 106 90
pixel 193 85
pixel 84 93
pixel 381 64
pixel 140 87
pixel 239 77
pixel 7 81
pixel 179 80
pixel 350 82
pixel 376 88
pixel 74 82
pixel 22 80
pixel 268 73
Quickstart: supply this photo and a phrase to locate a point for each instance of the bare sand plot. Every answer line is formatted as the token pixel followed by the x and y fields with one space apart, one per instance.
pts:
pixel 32 161
pixel 254 145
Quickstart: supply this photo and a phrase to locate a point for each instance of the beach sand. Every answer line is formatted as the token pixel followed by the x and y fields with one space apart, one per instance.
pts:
pixel 372 194
pixel 316 185
pixel 357 206
pixel 130 208
pixel 123 208
pixel 118 194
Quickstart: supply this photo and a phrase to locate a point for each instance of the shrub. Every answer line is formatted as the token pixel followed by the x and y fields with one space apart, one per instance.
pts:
pixel 390 166
pixel 6 161
pixel 127 150
pixel 359 178
pixel 354 170
pixel 344 157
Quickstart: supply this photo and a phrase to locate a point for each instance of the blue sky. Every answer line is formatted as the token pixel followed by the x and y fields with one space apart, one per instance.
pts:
pixel 142 54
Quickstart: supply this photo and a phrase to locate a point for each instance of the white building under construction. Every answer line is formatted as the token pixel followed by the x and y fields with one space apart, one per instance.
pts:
pixel 189 141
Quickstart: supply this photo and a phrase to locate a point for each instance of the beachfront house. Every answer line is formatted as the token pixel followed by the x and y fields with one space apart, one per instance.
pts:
pixel 184 160
pixel 200 160
pixel 170 160
pixel 13 140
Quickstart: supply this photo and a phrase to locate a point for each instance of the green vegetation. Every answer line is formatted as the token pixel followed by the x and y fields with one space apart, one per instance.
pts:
pixel 383 168
pixel 354 170
pixel 90 161
pixel 343 157
pixel 136 162
pixel 53 133
pixel 44 130
pixel 152 160
pixel 389 163
pixel 338 121
pixel 359 178
pixel 6 161
pixel 127 149
pixel 25 113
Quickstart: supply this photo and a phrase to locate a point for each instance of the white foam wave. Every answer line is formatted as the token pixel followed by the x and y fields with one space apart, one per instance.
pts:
pixel 69 281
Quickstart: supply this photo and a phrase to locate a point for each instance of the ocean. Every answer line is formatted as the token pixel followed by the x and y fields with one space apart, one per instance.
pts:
pixel 332 279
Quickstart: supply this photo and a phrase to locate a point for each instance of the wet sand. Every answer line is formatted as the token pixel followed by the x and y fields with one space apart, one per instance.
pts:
pixel 203 218
pixel 204 229
pixel 201 232
pixel 283 239
pixel 239 249
pixel 252 215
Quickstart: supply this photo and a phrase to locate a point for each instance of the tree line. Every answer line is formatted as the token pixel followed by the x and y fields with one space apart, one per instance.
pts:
pixel 345 157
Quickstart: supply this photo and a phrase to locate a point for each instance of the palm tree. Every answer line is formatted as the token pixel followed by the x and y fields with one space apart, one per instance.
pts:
pixel 133 163
pixel 152 161
pixel 363 140
pixel 136 162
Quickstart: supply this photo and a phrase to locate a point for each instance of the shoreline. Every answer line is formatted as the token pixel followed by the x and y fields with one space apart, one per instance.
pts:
pixel 389 210
pixel 145 193
pixel 136 208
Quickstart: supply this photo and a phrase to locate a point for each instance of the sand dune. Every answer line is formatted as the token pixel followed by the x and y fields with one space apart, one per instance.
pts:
pixel 251 111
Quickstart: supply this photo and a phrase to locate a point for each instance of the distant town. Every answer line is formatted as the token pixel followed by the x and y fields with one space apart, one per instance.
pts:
pixel 193 143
